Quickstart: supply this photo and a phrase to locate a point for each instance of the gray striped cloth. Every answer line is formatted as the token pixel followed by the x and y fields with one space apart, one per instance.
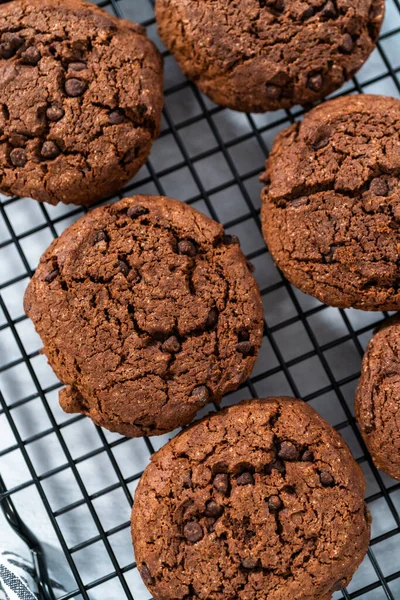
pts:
pixel 16 578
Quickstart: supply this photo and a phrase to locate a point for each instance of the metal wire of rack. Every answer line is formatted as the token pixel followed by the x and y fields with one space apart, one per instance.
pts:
pixel 79 474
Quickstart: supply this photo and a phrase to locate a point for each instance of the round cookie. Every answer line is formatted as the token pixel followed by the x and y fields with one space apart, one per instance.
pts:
pixel 262 500
pixel 331 205
pixel 377 401
pixel 259 55
pixel 148 311
pixel 80 100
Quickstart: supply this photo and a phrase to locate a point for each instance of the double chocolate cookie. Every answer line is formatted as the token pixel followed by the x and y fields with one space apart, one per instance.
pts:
pixel 147 311
pixel 258 55
pixel 331 205
pixel 377 401
pixel 80 100
pixel 262 500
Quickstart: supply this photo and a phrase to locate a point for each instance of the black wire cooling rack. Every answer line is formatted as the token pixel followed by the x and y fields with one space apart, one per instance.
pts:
pixel 73 483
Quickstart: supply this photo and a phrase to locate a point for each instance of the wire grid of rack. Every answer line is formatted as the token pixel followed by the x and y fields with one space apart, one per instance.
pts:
pixel 73 483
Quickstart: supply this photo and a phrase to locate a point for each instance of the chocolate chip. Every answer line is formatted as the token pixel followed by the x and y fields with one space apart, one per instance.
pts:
pixel 212 318
pixel 77 66
pixel 228 240
pixel 243 335
pixel 329 10
pixel 221 483
pixel 75 87
pixel 250 266
pixel 50 150
pixel 145 573
pixel 279 6
pixel 276 464
pixel 288 451
pixel 273 91
pixel 186 247
pixel 274 503
pixel 130 156
pixel 249 563
pixel 101 236
pixel 193 532
pixel 347 44
pixel 245 348
pixel 123 267
pixel 171 345
pixel 307 13
pixel 6 51
pixel 137 211
pixel 245 478
pixel 15 40
pixel 31 56
pixel 307 456
pixel 54 113
pixel 10 45
pixel 326 478
pixel 314 82
pixel 321 143
pixel 18 157
pixel 116 117
pixel 200 394
pixel 17 140
pixel 379 187
pixel 213 509
pixel 209 522
pixel 51 275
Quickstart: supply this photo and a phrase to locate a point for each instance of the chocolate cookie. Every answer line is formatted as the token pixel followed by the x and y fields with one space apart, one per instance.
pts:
pixel 147 312
pixel 262 500
pixel 377 400
pixel 80 100
pixel 258 55
pixel 331 207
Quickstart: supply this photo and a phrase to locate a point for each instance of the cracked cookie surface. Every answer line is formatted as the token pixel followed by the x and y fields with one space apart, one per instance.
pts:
pixel 147 312
pixel 80 100
pixel 259 55
pixel 331 205
pixel 262 500
pixel 377 401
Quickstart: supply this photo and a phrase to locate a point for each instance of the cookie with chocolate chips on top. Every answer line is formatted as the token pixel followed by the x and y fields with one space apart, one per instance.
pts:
pixel 331 205
pixel 148 311
pixel 80 100
pixel 377 402
pixel 259 55
pixel 261 500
